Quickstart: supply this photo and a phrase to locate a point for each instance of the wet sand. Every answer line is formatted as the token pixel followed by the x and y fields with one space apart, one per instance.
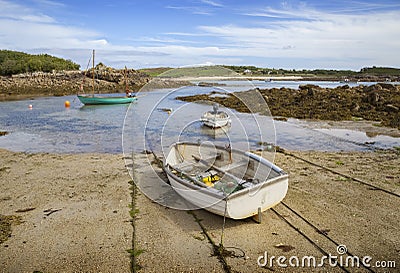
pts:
pixel 75 216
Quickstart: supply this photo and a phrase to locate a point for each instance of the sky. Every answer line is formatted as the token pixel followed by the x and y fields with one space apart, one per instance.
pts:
pixel 308 34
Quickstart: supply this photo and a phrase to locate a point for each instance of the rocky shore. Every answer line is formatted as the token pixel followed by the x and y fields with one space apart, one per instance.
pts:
pixel 62 83
pixel 70 82
pixel 379 102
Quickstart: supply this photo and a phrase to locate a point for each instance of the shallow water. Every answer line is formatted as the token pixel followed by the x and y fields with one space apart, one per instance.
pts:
pixel 146 124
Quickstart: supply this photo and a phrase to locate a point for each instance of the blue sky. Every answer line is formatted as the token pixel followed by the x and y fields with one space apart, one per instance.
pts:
pixel 310 34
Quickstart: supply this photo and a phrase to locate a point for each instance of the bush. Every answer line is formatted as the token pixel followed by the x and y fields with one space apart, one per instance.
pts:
pixel 14 62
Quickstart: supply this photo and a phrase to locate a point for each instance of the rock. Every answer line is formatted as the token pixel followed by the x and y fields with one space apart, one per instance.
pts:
pixel 388 86
pixel 355 107
pixel 391 108
pixel 210 84
pixel 308 87
pixel 373 98
pixel 372 88
pixel 70 82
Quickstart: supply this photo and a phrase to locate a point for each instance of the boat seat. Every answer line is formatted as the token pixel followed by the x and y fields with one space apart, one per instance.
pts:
pixel 234 165
pixel 188 165
pixel 185 166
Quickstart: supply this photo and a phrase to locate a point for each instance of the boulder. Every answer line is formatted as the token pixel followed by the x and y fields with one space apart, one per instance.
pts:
pixel 391 108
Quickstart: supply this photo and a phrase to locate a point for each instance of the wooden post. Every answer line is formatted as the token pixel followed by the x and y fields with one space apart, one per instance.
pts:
pixel 257 218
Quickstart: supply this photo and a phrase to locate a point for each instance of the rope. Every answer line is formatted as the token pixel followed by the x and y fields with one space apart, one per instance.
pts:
pixel 341 174
pixel 223 251
pixel 221 244
pixel 306 237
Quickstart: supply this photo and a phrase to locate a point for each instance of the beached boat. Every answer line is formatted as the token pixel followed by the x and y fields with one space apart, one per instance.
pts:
pixel 102 100
pixel 224 181
pixel 215 118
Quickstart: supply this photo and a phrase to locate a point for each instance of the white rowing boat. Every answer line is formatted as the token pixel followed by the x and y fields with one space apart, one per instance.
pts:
pixel 225 181
pixel 215 118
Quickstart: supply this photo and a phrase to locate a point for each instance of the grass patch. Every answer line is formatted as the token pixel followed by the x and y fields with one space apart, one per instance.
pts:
pixel 341 178
pixel 339 163
pixel 133 212
pixel 135 252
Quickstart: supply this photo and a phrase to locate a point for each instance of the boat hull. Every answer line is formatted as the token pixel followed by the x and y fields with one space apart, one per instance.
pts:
pixel 93 100
pixel 215 120
pixel 240 204
pixel 215 123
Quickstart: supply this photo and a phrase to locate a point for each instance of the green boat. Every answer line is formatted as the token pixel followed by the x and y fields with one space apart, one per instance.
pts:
pixel 106 100
pixel 97 100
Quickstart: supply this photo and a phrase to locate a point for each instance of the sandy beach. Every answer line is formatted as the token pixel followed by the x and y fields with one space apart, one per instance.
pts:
pixel 73 211
pixel 79 213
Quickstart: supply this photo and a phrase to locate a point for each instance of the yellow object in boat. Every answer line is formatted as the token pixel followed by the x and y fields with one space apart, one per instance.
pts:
pixel 209 179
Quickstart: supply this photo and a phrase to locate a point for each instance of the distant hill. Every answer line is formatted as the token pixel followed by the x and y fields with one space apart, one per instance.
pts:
pixel 375 71
pixel 365 74
pixel 14 62
pixel 381 71
pixel 154 72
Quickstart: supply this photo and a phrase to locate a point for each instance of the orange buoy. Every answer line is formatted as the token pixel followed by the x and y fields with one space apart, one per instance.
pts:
pixel 67 104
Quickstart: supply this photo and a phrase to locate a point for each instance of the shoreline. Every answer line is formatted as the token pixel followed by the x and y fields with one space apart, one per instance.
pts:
pixel 76 219
pixel 65 84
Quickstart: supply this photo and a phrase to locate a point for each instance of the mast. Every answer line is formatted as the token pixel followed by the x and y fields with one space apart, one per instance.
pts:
pixel 126 83
pixel 93 73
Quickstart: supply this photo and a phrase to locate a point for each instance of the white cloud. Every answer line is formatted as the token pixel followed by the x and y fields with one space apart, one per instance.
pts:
pixel 26 29
pixel 212 3
pixel 355 39
pixel 50 3
pixel 33 35
pixel 21 13
pixel 289 38
pixel 203 7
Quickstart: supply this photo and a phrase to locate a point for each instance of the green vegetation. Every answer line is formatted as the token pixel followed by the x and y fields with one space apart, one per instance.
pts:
pixel 154 72
pixel 230 70
pixel 135 252
pixel 133 212
pixel 377 71
pixel 200 71
pixel 14 62
pixel 372 71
